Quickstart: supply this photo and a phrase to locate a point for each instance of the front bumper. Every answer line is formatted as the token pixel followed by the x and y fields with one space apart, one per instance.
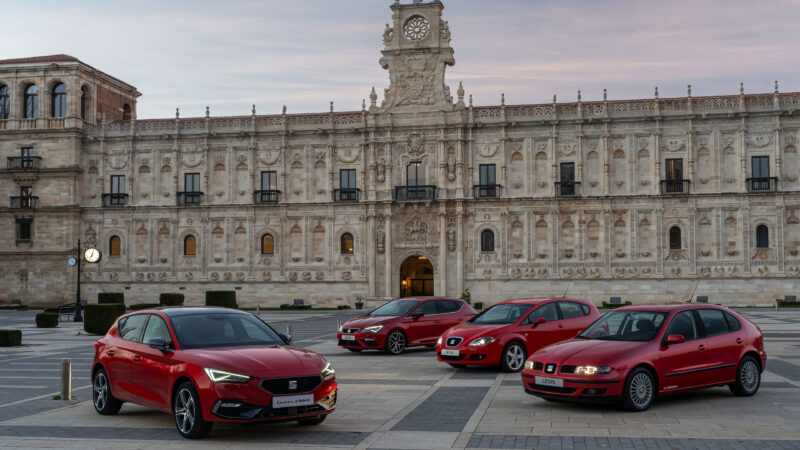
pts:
pixel 578 389
pixel 484 355
pixel 363 340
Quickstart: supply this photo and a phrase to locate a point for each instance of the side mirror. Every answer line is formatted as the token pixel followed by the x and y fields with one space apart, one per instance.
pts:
pixel 675 339
pixel 158 344
pixel 286 337
pixel 539 321
pixel 417 315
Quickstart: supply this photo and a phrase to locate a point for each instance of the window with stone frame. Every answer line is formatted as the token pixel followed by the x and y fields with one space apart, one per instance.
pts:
pixel 487 241
pixel 762 236
pixel 267 245
pixel 190 246
pixel 115 246
pixel 24 229
pixel 347 246
pixel 31 102
pixel 675 238
pixel 59 101
pixel 5 102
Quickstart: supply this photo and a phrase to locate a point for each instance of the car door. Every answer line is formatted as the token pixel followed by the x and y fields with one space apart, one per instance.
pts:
pixel 543 334
pixel 123 361
pixel 152 372
pixel 574 316
pixel 724 345
pixel 424 329
pixel 681 366
pixel 449 314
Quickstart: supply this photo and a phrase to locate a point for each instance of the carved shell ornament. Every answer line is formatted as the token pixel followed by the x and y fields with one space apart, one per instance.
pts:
pixel 567 149
pixel 673 144
pixel 191 161
pixel 759 140
pixel 488 150
pixel 416 28
pixel 348 155
pixel 119 162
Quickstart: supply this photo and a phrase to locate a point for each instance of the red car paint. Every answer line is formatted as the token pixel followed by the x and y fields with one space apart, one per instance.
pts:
pixel 700 361
pixel 418 330
pixel 522 329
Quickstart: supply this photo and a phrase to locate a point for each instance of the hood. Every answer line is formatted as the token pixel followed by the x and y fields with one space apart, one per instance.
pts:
pixel 366 321
pixel 591 351
pixel 259 361
pixel 470 331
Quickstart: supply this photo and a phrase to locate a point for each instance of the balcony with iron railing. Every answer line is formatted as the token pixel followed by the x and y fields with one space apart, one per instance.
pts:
pixel 763 184
pixel 266 196
pixel 24 202
pixel 406 193
pixel 568 189
pixel 115 199
pixel 675 187
pixel 486 190
pixel 189 198
pixel 24 162
pixel 346 195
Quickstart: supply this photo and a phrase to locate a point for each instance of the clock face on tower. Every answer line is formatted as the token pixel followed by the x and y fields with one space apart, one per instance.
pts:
pixel 92 255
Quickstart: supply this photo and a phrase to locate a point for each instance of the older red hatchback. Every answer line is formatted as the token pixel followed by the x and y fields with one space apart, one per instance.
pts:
pixel 509 331
pixel 208 365
pixel 405 322
pixel 633 354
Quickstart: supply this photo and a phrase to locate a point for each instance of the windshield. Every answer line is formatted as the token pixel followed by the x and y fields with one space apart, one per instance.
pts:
pixel 625 326
pixel 395 308
pixel 222 330
pixel 501 314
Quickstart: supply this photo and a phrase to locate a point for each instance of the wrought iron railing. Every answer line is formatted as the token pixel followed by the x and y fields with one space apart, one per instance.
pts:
pixel 267 196
pixel 24 162
pixel 346 195
pixel 189 198
pixel 115 199
pixel 675 187
pixel 768 184
pixel 24 202
pixel 425 192
pixel 486 190
pixel 568 188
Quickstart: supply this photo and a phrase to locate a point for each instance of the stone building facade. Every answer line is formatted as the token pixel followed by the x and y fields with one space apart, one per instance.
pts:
pixel 650 200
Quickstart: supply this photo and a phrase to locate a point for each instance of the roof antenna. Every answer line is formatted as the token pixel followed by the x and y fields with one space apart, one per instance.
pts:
pixel 564 295
pixel 693 291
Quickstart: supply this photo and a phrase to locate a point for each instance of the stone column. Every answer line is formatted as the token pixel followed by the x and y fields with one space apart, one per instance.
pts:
pixel 387 295
pixel 460 252
pixel 371 252
pixel 442 254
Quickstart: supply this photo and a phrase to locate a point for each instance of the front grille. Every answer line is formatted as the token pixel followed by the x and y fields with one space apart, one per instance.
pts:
pixel 281 386
pixel 451 358
pixel 453 341
pixel 568 369
pixel 276 413
pixel 553 389
pixel 349 343
pixel 349 330
pixel 538 365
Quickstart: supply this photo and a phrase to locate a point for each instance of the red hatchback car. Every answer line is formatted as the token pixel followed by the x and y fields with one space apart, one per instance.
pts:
pixel 509 331
pixel 633 354
pixel 405 322
pixel 208 365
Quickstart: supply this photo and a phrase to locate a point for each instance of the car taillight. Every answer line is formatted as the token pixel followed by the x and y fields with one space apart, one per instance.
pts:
pixel 96 346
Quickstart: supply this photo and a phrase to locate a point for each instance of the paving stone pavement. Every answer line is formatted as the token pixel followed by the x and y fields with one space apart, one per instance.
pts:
pixel 410 401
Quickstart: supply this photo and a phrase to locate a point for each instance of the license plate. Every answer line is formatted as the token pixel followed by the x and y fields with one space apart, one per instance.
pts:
pixel 447 352
pixel 290 401
pixel 348 337
pixel 547 381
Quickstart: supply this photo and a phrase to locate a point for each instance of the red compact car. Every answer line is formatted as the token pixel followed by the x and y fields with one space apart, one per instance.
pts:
pixel 633 354
pixel 405 322
pixel 509 331
pixel 208 365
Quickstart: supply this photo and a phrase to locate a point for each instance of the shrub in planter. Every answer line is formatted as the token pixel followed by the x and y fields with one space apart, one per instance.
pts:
pixel 97 319
pixel 466 296
pixel 47 320
pixel 10 338
pixel 782 303
pixel 478 306
pixel 140 306
pixel 288 306
pixel 225 299
pixel 615 305
pixel 170 299
pixel 111 297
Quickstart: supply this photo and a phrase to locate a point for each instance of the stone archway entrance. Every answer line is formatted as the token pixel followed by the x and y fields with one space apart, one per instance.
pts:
pixel 416 276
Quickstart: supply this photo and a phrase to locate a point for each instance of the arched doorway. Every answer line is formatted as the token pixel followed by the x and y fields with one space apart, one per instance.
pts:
pixel 416 276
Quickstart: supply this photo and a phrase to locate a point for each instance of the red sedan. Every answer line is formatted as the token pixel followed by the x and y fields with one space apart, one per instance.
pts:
pixel 633 354
pixel 402 323
pixel 509 331
pixel 208 365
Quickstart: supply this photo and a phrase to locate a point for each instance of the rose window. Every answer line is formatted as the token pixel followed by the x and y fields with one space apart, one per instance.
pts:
pixel 416 28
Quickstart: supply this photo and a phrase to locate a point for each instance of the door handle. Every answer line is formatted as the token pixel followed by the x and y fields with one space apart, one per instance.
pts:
pixel 137 358
pixel 701 347
pixel 561 325
pixel 739 340
pixel 110 352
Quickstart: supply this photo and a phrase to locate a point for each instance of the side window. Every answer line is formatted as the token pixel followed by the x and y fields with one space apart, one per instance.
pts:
pixel 447 306
pixel 428 308
pixel 733 322
pixel 156 327
pixel 683 323
pixel 132 328
pixel 713 321
pixel 547 312
pixel 570 310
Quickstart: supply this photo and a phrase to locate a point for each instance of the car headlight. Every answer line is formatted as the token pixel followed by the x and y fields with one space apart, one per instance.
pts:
pixel 328 372
pixel 223 376
pixel 592 370
pixel 373 329
pixel 483 341
pixel 439 341
pixel 529 365
pixel 340 328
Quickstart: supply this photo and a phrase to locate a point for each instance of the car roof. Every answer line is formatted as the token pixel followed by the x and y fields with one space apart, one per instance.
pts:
pixel 183 311
pixel 536 301
pixel 427 297
pixel 669 308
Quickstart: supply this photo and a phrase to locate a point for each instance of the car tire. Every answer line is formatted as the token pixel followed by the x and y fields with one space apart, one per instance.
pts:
pixel 639 391
pixel 355 350
pixel 188 412
pixel 748 378
pixel 311 421
pixel 395 342
pixel 104 402
pixel 457 366
pixel 513 357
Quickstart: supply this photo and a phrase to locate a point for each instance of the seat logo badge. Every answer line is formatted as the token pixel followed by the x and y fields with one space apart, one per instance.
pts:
pixel 292 385
pixel 550 368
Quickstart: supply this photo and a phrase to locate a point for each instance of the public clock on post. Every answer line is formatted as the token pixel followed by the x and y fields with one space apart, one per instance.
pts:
pixel 92 255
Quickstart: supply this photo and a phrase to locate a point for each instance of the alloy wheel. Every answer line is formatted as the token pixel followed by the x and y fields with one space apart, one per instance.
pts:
pixel 641 390
pixel 515 357
pixel 100 391
pixel 184 411
pixel 749 376
pixel 397 342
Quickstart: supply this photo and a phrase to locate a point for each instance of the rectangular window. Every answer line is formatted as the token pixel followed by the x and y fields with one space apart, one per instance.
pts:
pixel 568 172
pixel 415 175
pixel 347 179
pixel 26 191
pixel 760 166
pixel 24 228
pixel 27 160
pixel 674 169
pixel 269 181
pixel 117 184
pixel 487 174
pixel 191 182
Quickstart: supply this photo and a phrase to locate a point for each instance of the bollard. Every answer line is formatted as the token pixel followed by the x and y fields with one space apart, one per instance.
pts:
pixel 338 324
pixel 66 379
pixel 289 330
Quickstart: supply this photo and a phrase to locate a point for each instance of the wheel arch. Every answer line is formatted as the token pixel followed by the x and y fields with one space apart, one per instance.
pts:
pixel 653 373
pixel 97 366
pixel 178 381
pixel 755 356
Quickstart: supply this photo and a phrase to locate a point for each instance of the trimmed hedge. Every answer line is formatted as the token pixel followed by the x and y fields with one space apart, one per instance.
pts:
pixel 140 306
pixel 288 306
pixel 171 299
pixel 47 320
pixel 97 319
pixel 111 297
pixel 225 299
pixel 784 304
pixel 343 307
pixel 10 338
pixel 615 305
